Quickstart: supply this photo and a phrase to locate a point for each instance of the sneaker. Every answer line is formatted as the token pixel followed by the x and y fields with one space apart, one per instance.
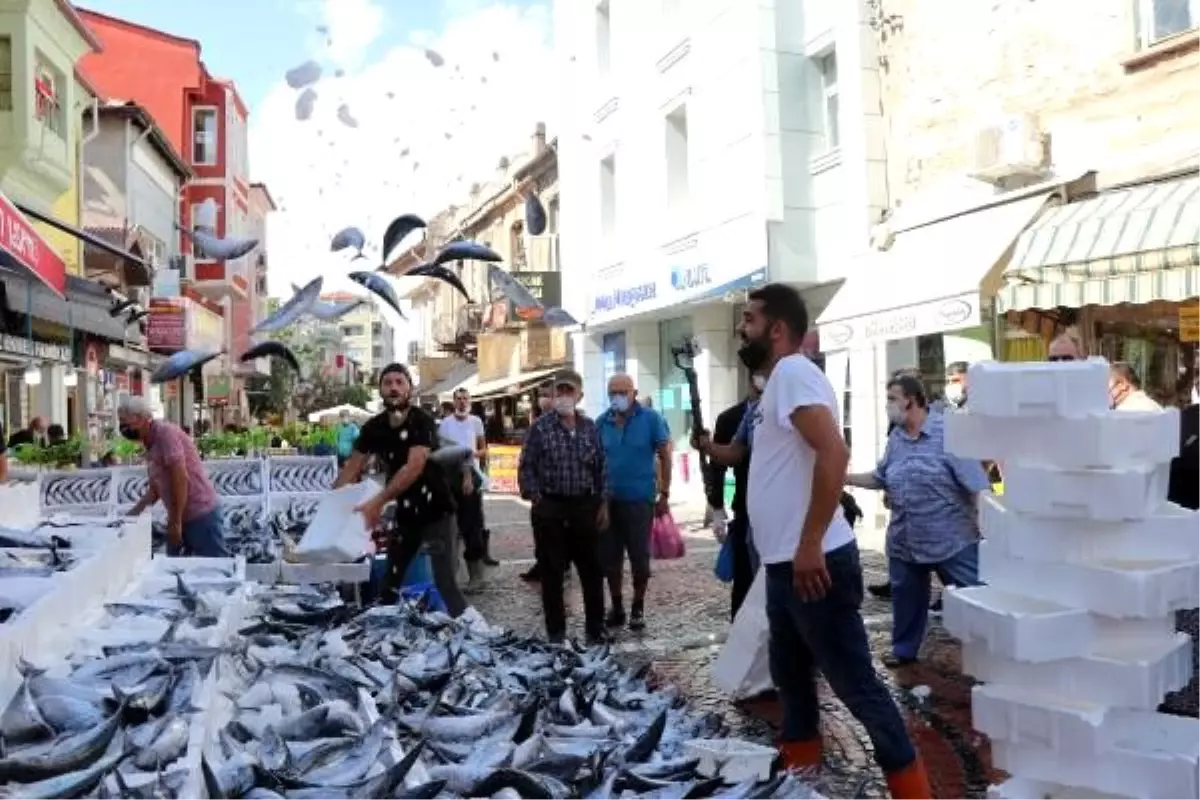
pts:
pixel 637 620
pixel 615 618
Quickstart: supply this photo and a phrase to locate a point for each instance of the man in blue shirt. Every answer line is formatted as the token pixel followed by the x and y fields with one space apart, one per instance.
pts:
pixel 347 433
pixel 634 437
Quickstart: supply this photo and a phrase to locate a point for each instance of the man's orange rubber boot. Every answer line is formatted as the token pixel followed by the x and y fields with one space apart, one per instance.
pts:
pixel 910 783
pixel 802 754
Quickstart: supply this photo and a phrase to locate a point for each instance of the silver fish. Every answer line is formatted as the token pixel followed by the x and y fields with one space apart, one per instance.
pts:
pixel 168 745
pixel 296 307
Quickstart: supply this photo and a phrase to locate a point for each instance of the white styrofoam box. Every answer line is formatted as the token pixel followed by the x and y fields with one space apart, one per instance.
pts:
pixel 1115 588
pixel 356 572
pixel 1106 495
pixel 1113 439
pixel 1018 788
pixel 263 573
pixel 1039 389
pixel 1123 674
pixel 20 505
pixel 1156 758
pixel 1167 534
pixel 735 760
pixel 1027 715
pixel 337 534
pixel 1016 626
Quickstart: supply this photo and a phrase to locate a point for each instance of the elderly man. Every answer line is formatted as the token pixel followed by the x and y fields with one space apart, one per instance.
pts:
pixel 1067 346
pixel 634 438
pixel 1125 389
pixel 465 429
pixel 562 474
pixel 177 477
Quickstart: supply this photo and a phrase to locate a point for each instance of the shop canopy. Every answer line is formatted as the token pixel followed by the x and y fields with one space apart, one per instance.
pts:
pixel 463 374
pixel 512 385
pixel 24 251
pixel 932 279
pixel 357 414
pixel 1138 245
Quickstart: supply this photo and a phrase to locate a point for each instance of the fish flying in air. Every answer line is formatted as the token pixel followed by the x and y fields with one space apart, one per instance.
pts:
pixel 328 312
pixel 379 286
pixel 271 350
pixel 512 289
pixel 345 117
pixel 395 232
pixel 303 75
pixel 118 307
pixel 297 306
pixel 434 57
pixel 181 363
pixel 464 250
pixel 349 237
pixel 305 103
pixel 535 215
pixel 137 315
pixel 441 273
pixel 217 249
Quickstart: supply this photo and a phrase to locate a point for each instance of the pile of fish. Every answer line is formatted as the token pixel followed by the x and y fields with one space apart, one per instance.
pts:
pixel 262 540
pixel 399 701
pixel 115 717
pixel 29 561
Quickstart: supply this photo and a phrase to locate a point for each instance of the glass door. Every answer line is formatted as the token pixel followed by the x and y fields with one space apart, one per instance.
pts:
pixel 674 400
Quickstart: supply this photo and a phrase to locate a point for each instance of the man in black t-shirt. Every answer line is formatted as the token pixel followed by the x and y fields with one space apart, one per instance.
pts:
pixel 402 437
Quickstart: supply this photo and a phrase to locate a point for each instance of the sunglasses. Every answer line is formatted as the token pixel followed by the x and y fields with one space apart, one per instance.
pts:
pixel 1061 358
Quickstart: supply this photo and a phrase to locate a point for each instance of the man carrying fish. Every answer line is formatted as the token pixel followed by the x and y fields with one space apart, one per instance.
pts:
pixel 402 437
pixel 562 475
pixel 195 526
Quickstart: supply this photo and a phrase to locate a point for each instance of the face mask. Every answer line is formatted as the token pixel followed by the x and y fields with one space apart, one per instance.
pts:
pixel 754 353
pixel 895 413
pixel 545 403
pixel 619 403
pixel 565 406
pixel 131 433
pixel 759 382
pixel 955 394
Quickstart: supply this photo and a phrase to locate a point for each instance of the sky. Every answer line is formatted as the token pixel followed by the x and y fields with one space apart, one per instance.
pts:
pixel 419 134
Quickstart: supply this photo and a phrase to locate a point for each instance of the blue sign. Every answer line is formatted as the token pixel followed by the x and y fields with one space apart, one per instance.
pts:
pixel 685 278
pixel 625 298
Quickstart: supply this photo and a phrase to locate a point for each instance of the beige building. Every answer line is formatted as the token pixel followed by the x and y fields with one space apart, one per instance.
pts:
pixel 367 338
pixel 479 344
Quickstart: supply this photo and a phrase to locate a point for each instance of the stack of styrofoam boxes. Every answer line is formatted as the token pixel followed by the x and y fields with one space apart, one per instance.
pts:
pixel 1085 564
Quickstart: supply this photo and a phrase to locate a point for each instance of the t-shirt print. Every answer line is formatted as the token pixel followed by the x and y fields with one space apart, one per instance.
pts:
pixel 428 497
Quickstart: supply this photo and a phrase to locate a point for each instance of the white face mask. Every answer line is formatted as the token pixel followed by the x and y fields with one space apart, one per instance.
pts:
pixel 895 413
pixel 565 406
pixel 759 382
pixel 954 393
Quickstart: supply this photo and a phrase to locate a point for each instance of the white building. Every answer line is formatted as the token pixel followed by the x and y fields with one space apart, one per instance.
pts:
pixel 707 147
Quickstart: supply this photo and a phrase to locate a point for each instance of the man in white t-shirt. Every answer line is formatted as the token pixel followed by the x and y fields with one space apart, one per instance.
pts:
pixel 465 429
pixel 814 579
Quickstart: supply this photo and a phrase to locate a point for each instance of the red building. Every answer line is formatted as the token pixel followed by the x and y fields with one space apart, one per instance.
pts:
pixel 206 120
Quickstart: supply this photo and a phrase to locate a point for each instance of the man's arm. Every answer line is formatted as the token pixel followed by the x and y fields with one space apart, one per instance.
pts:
pixel 177 475
pixel 406 476
pixel 531 451
pixel 147 501
pixel 873 480
pixel 480 438
pixel 817 426
pixel 352 471
pixel 723 433
pixel 663 451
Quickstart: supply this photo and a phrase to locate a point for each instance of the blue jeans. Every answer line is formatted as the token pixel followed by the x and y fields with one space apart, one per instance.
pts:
pixel 828 635
pixel 910 594
pixel 203 536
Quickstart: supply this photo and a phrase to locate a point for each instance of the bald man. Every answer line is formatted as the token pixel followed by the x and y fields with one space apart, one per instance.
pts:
pixel 635 438
pixel 1066 346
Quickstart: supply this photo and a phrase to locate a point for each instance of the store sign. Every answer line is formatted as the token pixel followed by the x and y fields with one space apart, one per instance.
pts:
pixel 20 240
pixel 43 351
pixel 628 297
pixel 546 287
pixel 686 278
pixel 937 316
pixel 218 390
pixel 166 329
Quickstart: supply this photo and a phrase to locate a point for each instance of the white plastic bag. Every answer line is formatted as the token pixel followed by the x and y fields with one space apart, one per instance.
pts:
pixel 743 668
pixel 337 534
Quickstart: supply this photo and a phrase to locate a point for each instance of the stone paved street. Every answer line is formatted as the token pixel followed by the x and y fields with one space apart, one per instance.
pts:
pixel 687 619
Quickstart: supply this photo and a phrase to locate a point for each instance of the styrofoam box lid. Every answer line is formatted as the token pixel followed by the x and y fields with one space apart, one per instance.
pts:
pixel 1038 389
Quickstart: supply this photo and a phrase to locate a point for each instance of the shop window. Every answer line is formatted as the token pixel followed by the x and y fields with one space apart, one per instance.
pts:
pixel 603 38
pixel 204 136
pixel 1159 20
pixel 353 330
pixel 6 74
pixel 613 347
pixel 827 67
pixel 678 185
pixel 674 399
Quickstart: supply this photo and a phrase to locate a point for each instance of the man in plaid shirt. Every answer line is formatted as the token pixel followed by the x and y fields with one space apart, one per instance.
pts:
pixel 562 474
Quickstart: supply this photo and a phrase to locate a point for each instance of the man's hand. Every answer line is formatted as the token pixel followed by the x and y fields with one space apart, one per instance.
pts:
pixel 663 505
pixel 701 441
pixel 135 510
pixel 720 524
pixel 602 517
pixel 175 534
pixel 810 578
pixel 372 512
pixel 468 485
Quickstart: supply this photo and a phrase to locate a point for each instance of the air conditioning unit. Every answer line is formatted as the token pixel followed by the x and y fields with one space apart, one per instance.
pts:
pixel 1016 148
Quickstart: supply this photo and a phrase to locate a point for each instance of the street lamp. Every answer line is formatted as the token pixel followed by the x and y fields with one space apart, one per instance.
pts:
pixel 33 375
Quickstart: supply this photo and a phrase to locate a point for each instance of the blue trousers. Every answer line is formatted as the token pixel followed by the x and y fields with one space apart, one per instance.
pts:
pixel 203 537
pixel 910 594
pixel 828 635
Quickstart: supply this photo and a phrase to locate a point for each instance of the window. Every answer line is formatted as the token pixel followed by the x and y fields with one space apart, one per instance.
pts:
pixel 1162 19
pixel 204 136
pixel 377 329
pixel 613 347
pixel 608 197
pixel 604 38
pixel 827 65
pixel 48 90
pixel 677 159
pixel 353 330
pixel 6 74
pixel 377 352
pixel 204 220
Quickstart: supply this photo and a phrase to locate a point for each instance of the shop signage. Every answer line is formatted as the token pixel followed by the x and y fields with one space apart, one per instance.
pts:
pixel 629 297
pixel 1189 322
pixel 936 316
pixel 217 390
pixel 20 240
pixel 503 461
pixel 33 349
pixel 686 278
pixel 167 326
pixel 546 287
pixel 92 356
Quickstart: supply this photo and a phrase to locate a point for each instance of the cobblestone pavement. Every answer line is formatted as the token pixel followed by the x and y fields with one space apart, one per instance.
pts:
pixel 687 620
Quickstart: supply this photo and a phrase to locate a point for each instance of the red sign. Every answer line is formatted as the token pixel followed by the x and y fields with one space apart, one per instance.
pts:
pixel 21 241
pixel 123 381
pixel 167 327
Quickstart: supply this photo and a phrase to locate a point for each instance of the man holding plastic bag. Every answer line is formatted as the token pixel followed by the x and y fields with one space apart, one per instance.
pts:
pixel 403 438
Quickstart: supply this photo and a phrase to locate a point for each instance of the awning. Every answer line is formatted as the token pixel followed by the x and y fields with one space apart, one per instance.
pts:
pixel 1133 245
pixel 931 280
pixel 24 251
pixel 135 259
pixel 515 384
pixel 85 306
pixel 458 375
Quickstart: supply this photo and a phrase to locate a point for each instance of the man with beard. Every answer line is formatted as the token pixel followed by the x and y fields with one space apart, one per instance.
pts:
pixel 813 574
pixel 402 437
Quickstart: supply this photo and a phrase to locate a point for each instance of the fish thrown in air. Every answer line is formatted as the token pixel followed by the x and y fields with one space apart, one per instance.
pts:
pixel 271 350
pixel 290 312
pixel 465 251
pixel 328 312
pixel 379 286
pixel 305 104
pixel 349 237
pixel 304 75
pixel 116 309
pixel 434 57
pixel 217 249
pixel 441 273
pixel 181 363
pixel 535 215
pixel 345 117
pixel 395 232
pixel 512 289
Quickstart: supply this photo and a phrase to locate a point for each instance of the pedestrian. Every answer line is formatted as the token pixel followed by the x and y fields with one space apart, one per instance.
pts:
pixel 347 432
pixel 466 430
pixel 637 455
pixel 1125 389
pixel 956 384
pixel 562 474
pixel 401 437
pixel 730 423
pixel 813 574
pixel 545 404
pixel 934 523
pixel 34 433
pixel 195 526
pixel 1067 346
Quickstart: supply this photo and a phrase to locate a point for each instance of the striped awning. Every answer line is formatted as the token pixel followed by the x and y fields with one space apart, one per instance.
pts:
pixel 1133 245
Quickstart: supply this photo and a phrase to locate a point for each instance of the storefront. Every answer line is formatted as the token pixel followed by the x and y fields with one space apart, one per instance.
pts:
pixel 1123 269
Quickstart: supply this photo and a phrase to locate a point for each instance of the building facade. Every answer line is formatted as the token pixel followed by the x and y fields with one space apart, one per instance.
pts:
pixel 692 156
pixel 368 338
